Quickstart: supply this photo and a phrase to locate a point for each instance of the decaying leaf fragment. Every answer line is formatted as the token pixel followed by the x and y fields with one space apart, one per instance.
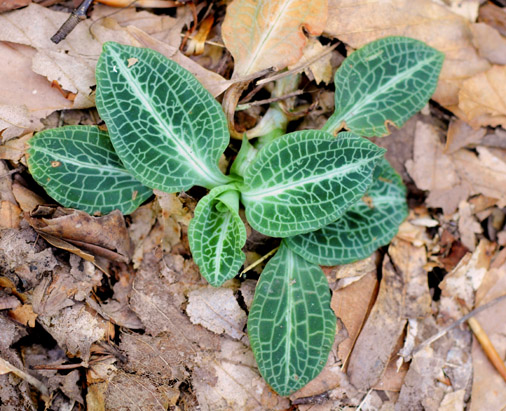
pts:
pixel 481 98
pixel 269 33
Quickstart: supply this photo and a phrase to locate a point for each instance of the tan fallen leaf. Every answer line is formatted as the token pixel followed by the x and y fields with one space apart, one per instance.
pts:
pixel 433 171
pixel 494 16
pixel 385 323
pixel 358 23
pixel 481 98
pixel 460 135
pixel 161 27
pixel 467 276
pixel 105 236
pixel 24 314
pixel 217 310
pixel 228 380
pixel 26 96
pixel 489 388
pixel 468 225
pixel 7 5
pixel 321 69
pixel 10 215
pixel 266 34
pixel 26 198
pixel 484 173
pixel 71 63
pixel 352 305
pixel 489 42
pixel 465 8
pixel 14 149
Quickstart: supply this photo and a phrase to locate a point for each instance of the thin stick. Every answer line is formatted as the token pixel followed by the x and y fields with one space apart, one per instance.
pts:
pixel 260 260
pixel 458 322
pixel 70 24
pixel 267 100
pixel 6 367
pixel 298 68
pixel 488 347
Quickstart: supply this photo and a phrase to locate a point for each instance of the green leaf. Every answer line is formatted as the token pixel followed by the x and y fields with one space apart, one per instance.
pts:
pixel 165 126
pixel 384 82
pixel 78 167
pixel 217 235
pixel 304 180
pixel 291 326
pixel 366 226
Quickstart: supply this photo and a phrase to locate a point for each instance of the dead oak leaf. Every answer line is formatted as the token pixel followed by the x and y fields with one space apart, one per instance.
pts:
pixel 24 314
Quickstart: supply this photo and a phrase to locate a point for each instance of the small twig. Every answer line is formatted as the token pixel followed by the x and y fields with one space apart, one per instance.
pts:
pixel 11 172
pixel 268 100
pixel 488 347
pixel 458 322
pixel 260 260
pixel 78 15
pixel 59 366
pixel 298 68
pixel 6 367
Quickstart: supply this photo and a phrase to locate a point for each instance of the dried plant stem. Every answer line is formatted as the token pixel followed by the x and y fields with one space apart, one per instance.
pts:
pixel 260 260
pixel 487 346
pixel 6 367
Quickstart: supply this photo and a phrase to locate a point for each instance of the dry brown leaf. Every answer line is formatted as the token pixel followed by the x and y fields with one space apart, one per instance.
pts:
pixel 321 70
pixel 26 199
pixel 14 150
pixel 217 310
pixel 103 236
pixel 410 261
pixel 228 380
pixel 467 276
pixel 26 96
pixel 351 305
pixel 358 23
pixel 433 171
pixel 261 35
pixel 75 329
pixel 489 42
pixel 6 5
pixel 385 323
pixel 494 16
pixel 161 27
pixel 468 225
pixel 10 215
pixel 481 98
pixel 465 8
pixel 460 135
pixel 484 173
pixel 24 314
pixel 212 81
pixel 71 63
pixel 489 388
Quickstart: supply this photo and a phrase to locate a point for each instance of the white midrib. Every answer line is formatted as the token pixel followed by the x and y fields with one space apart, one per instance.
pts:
pixel 183 149
pixel 370 97
pixel 68 160
pixel 279 189
pixel 219 247
pixel 289 312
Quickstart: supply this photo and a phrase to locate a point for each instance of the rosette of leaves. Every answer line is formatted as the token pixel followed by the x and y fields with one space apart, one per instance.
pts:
pixel 332 200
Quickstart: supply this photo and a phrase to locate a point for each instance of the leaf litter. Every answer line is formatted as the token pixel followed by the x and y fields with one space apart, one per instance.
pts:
pixel 117 299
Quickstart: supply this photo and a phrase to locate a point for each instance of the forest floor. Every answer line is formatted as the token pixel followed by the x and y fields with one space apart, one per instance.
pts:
pixel 111 313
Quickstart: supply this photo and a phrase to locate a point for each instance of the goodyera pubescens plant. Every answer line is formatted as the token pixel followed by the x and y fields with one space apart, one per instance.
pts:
pixel 331 199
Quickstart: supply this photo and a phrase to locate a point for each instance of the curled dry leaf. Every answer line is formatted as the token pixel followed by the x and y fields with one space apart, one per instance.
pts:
pixel 358 23
pixel 489 42
pixel 265 34
pixel 481 98
pixel 103 236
